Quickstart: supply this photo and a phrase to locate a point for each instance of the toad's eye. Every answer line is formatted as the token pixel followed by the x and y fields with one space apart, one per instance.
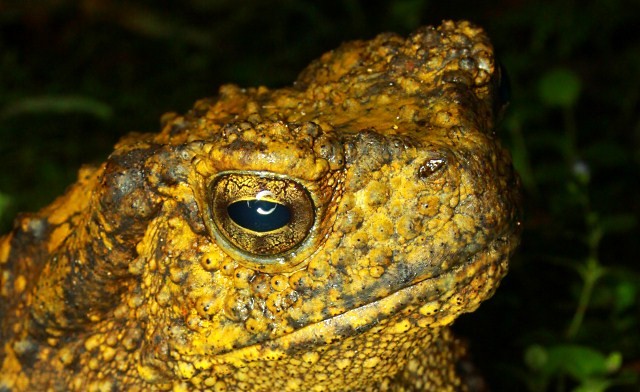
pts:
pixel 260 215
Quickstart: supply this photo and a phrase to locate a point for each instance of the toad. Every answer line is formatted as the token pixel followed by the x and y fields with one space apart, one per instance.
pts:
pixel 318 237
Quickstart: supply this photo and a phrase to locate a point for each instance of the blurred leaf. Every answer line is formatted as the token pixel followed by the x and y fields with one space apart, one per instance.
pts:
pixel 580 362
pixel 593 385
pixel 560 87
pixel 626 294
pixel 584 364
pixel 61 104
pixel 613 362
pixel 536 357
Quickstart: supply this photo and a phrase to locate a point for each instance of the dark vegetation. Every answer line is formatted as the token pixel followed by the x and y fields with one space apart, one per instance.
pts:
pixel 76 75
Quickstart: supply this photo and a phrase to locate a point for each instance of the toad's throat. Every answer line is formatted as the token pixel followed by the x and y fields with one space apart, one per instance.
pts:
pixel 433 302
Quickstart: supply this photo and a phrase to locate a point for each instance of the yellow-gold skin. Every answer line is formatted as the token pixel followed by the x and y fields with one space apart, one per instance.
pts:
pixel 318 237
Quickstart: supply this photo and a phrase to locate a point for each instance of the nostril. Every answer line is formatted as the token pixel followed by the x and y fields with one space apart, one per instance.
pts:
pixel 430 166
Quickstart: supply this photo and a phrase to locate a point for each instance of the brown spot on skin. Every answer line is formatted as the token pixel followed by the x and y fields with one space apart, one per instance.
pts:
pixel 387 208
pixel 430 167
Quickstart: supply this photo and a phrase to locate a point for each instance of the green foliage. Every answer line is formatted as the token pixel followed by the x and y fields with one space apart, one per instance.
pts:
pixel 587 366
pixel 573 148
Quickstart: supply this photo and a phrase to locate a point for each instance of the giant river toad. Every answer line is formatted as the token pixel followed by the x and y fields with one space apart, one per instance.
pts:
pixel 317 237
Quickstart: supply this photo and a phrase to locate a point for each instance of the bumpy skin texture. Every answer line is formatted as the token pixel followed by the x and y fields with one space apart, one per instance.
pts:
pixel 403 212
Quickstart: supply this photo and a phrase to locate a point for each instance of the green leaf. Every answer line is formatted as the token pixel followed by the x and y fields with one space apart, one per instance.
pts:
pixel 580 362
pixel 613 362
pixel 560 87
pixel 584 364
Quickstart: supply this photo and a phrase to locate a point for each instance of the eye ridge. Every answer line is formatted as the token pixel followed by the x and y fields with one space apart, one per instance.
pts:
pixel 259 215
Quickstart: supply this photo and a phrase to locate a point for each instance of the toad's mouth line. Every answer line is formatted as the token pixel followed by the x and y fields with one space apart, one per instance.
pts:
pixel 430 297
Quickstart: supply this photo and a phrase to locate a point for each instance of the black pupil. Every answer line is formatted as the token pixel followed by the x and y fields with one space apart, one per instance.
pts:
pixel 259 215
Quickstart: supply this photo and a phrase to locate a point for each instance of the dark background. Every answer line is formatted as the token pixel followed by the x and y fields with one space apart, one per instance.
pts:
pixel 76 75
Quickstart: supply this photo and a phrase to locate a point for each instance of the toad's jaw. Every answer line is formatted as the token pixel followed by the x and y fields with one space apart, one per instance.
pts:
pixel 432 303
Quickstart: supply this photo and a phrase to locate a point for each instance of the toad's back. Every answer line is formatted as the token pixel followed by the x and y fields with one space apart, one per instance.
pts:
pixel 316 237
